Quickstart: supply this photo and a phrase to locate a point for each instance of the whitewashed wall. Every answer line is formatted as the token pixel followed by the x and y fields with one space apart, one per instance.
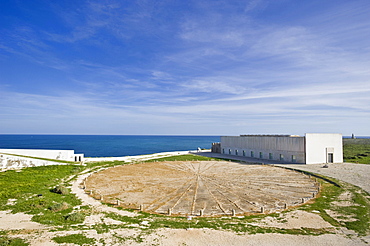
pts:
pixel 319 144
pixel 16 162
pixel 65 155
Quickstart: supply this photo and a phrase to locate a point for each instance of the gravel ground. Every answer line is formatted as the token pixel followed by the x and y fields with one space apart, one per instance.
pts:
pixel 356 174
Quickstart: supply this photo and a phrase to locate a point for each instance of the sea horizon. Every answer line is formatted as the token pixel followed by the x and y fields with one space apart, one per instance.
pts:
pixel 108 145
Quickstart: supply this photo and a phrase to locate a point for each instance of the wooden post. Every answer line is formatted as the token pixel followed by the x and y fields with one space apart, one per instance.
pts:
pixel 169 211
pixel 233 212
pixel 262 209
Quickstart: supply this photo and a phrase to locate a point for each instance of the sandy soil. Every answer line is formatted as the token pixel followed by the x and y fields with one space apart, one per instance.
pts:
pixel 211 188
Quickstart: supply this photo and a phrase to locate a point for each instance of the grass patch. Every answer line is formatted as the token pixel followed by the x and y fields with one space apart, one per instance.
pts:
pixel 358 207
pixel 6 241
pixel 78 239
pixel 239 225
pixel 188 157
pixel 32 187
pixel 356 150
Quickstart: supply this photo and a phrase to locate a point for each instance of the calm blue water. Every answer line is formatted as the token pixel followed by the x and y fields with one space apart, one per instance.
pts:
pixel 108 145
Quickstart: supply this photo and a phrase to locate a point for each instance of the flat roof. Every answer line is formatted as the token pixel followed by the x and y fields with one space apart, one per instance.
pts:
pixel 268 135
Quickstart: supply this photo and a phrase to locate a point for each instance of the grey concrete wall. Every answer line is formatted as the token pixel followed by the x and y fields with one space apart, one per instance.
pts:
pixel 280 148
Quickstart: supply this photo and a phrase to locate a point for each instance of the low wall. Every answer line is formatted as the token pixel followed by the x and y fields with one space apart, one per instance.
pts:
pixel 17 162
pixel 64 155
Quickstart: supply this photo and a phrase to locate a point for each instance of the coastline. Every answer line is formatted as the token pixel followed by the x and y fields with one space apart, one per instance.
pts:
pixel 138 157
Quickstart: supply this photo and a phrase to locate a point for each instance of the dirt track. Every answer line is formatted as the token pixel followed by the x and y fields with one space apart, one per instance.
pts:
pixel 209 188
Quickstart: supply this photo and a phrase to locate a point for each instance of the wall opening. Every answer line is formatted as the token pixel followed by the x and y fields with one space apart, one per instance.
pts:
pixel 330 157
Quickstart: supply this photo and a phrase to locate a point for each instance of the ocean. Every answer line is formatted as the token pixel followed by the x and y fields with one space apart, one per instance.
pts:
pixel 108 145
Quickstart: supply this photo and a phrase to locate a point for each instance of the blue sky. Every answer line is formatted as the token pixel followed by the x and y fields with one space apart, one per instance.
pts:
pixel 184 67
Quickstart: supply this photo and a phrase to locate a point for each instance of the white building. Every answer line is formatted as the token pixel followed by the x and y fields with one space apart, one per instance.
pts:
pixel 65 155
pixel 313 148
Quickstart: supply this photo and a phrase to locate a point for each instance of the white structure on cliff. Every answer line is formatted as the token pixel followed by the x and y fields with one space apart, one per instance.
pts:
pixel 313 148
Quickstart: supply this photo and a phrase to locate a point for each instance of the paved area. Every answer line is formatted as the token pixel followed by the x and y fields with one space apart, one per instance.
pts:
pixel 356 174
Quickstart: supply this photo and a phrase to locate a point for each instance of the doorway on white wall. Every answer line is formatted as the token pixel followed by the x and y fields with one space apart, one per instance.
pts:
pixel 330 157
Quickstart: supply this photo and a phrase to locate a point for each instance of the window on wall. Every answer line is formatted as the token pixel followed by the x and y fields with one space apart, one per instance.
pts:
pixel 261 155
pixel 281 157
pixel 270 156
pixel 243 152
pixel 229 151
pixel 294 158
pixel 236 152
pixel 223 151
pixel 252 154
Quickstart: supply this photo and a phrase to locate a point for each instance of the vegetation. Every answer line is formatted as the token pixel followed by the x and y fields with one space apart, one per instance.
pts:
pixel 356 150
pixel 188 157
pixel 78 239
pixel 6 241
pixel 31 188
pixel 352 210
pixel 45 193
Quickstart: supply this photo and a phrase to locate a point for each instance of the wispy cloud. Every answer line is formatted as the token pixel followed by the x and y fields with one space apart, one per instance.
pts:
pixel 219 65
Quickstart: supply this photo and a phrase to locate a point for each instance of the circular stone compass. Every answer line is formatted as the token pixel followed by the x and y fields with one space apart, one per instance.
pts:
pixel 206 188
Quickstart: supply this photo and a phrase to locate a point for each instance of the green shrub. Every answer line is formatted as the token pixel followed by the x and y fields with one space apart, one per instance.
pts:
pixel 78 239
pixel 59 189
pixel 59 207
pixel 75 217
pixel 6 241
